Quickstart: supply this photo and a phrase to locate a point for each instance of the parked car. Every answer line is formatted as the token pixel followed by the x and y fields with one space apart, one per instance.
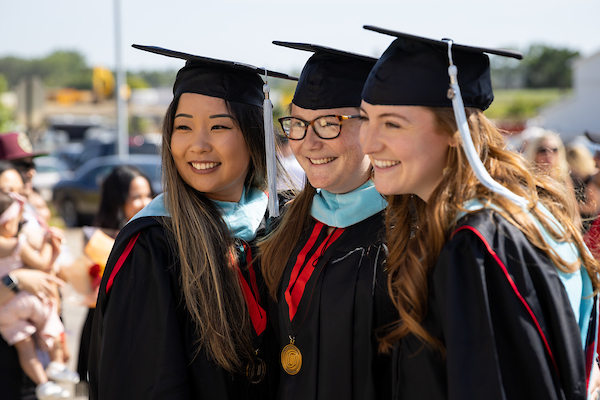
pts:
pixel 106 145
pixel 49 171
pixel 69 154
pixel 99 145
pixel 78 199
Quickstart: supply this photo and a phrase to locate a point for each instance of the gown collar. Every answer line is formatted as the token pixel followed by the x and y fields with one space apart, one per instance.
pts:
pixel 344 210
pixel 243 218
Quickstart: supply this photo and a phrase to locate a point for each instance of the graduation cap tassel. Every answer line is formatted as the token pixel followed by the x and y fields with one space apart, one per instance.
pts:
pixel 463 127
pixel 271 153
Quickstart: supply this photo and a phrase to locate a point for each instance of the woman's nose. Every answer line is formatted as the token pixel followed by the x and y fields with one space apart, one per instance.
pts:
pixel 368 138
pixel 311 139
pixel 201 141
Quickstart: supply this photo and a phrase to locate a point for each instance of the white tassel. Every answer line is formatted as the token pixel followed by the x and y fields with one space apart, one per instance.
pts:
pixel 271 154
pixel 463 127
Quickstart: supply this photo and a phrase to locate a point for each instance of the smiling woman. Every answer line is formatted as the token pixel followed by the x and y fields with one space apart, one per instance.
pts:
pixel 181 310
pixel 209 148
pixel 411 159
pixel 327 160
pixel 324 262
pixel 491 278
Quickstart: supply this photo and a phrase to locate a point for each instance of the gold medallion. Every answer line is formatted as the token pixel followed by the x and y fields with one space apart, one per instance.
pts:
pixel 291 359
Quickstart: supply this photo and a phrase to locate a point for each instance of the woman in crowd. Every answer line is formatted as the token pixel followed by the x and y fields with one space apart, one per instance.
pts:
pixel 125 191
pixel 17 385
pixel 489 273
pixel 180 312
pixel 546 152
pixel 324 262
pixel 26 321
pixel 587 193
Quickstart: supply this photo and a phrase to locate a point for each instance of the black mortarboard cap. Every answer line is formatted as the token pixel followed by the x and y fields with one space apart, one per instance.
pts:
pixel 234 82
pixel 414 71
pixel 330 78
pixel 228 80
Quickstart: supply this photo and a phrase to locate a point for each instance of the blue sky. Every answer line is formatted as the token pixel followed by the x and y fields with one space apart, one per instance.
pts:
pixel 243 30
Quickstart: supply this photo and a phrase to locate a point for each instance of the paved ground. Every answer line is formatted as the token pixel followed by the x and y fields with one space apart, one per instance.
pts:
pixel 73 312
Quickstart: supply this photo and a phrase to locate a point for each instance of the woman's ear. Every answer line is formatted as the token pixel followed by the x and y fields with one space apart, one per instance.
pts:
pixel 453 140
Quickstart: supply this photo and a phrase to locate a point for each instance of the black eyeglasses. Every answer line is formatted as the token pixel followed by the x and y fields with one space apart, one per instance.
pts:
pixel 325 127
pixel 547 150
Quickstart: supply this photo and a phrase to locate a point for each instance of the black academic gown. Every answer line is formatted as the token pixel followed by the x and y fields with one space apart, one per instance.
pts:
pixel 143 339
pixel 344 301
pixel 499 307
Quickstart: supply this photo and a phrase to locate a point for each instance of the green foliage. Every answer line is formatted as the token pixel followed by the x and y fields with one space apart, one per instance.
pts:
pixel 542 67
pixel 14 69
pixel 548 67
pixel 519 105
pixel 156 79
pixel 6 117
pixel 3 84
pixel 66 69
pixel 136 82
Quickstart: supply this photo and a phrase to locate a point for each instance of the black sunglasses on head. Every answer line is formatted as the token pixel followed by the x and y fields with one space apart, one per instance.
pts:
pixel 547 150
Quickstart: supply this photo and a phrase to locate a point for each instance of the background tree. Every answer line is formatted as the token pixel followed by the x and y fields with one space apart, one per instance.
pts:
pixel 548 67
pixel 6 115
pixel 136 81
pixel 542 67
pixel 14 69
pixel 156 79
pixel 64 69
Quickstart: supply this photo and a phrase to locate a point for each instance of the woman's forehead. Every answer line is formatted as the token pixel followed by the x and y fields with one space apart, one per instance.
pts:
pixel 550 142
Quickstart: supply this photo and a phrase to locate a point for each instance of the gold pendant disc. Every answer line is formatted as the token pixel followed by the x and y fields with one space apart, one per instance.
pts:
pixel 291 359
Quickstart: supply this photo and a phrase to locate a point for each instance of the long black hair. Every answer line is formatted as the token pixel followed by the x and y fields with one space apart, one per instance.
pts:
pixel 115 191
pixel 203 244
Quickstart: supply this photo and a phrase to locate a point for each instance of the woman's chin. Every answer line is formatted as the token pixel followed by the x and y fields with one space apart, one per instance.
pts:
pixel 385 189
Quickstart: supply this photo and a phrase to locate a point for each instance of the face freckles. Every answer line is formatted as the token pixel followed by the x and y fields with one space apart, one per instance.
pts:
pixel 336 165
pixel 407 152
pixel 140 195
pixel 208 147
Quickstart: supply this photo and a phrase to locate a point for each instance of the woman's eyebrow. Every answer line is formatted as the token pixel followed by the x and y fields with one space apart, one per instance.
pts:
pixel 220 116
pixel 393 115
pixel 183 115
pixel 390 114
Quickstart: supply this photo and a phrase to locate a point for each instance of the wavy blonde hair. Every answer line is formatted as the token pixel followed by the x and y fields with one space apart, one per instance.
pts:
pixel 581 161
pixel 560 171
pixel 410 261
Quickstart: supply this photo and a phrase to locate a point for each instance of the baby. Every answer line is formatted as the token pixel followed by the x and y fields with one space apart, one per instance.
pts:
pixel 26 314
